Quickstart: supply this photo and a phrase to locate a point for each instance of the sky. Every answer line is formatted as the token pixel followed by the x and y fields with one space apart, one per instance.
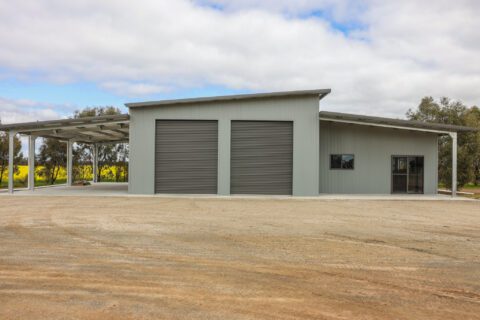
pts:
pixel 379 57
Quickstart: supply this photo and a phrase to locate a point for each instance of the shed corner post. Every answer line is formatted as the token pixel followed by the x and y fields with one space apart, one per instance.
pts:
pixel 31 162
pixel 11 135
pixel 453 135
pixel 69 163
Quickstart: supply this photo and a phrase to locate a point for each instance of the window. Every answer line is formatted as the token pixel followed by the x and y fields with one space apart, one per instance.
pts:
pixel 407 174
pixel 342 161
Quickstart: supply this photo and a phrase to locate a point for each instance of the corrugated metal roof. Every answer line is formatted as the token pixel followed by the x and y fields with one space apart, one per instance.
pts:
pixel 319 92
pixel 355 118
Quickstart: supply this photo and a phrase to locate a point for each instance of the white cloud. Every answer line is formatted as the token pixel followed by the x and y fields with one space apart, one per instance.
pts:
pixel 406 50
pixel 13 111
pixel 126 88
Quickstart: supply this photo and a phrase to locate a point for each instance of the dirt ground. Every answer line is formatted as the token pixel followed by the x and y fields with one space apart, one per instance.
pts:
pixel 178 258
pixel 475 191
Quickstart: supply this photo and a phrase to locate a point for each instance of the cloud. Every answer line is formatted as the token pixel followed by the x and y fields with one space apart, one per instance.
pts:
pixel 125 88
pixel 403 50
pixel 13 111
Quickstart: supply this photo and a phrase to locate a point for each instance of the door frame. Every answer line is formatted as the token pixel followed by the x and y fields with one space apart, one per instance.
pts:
pixel 391 173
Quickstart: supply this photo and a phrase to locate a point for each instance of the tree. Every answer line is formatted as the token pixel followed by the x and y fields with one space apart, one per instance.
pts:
pixel 109 154
pixel 4 147
pixel 96 112
pixel 53 156
pixel 447 111
pixel 53 153
pixel 122 160
pixel 107 157
pixel 472 119
pixel 81 159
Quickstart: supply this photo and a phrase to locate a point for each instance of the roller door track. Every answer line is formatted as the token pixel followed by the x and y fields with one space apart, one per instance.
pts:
pixel 186 156
pixel 261 157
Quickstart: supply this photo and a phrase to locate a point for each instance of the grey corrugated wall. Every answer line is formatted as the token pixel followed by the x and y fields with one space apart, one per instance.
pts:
pixel 373 148
pixel 186 156
pixel 302 110
pixel 262 157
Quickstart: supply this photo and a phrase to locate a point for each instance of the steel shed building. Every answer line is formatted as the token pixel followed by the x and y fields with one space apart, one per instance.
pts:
pixel 249 128
pixel 279 143
pixel 270 143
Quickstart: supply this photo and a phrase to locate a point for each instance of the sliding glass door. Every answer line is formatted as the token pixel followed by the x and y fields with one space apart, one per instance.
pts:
pixel 407 174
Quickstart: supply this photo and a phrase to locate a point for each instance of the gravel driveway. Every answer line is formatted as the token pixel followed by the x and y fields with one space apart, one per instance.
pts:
pixel 178 258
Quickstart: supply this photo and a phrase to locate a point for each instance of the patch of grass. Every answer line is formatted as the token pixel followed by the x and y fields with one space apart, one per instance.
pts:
pixel 39 183
pixel 471 186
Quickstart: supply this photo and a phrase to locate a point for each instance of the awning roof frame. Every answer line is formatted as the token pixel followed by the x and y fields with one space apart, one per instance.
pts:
pixel 101 129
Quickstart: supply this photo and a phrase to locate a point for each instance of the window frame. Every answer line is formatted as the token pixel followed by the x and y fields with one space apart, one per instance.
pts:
pixel 341 160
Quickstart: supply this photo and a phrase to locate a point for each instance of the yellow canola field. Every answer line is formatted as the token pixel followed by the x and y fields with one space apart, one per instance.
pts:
pixel 85 173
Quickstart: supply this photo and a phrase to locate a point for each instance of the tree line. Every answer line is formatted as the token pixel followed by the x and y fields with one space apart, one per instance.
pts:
pixel 52 154
pixel 447 111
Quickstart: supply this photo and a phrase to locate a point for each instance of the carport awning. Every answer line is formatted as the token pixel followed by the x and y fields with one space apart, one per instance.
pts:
pixel 392 123
pixel 101 129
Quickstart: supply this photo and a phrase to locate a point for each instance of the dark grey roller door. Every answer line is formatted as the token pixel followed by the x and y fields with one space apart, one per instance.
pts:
pixel 261 157
pixel 186 156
